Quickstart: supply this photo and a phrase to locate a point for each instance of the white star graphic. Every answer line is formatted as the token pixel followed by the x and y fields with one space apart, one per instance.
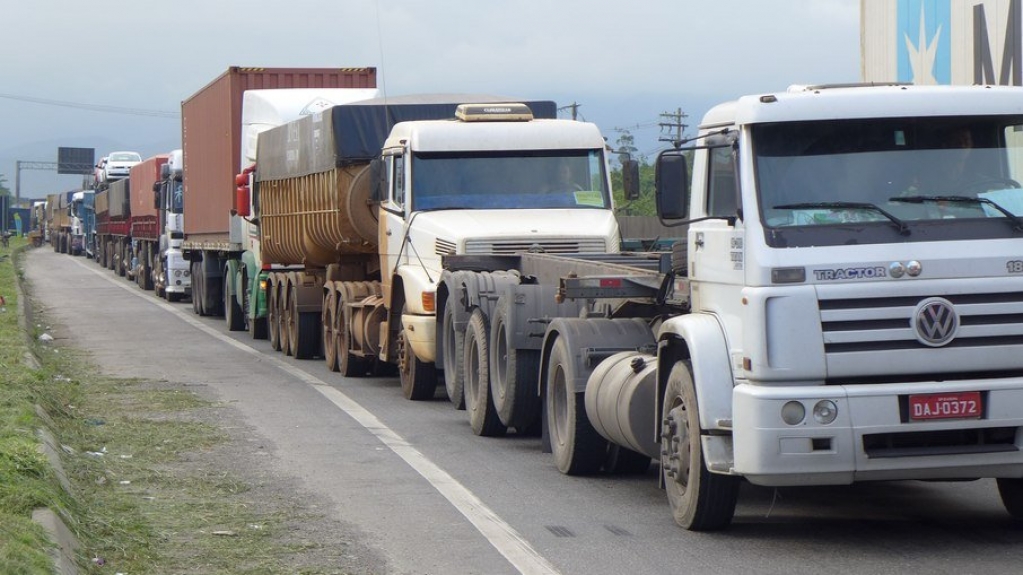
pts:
pixel 922 55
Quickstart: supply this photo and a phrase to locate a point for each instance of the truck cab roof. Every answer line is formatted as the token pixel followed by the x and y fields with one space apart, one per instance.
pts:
pixel 809 103
pixel 456 135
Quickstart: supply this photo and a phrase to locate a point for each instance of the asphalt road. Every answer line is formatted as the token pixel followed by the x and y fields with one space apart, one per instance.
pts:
pixel 431 497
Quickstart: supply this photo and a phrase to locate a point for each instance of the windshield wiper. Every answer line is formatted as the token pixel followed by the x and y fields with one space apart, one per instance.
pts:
pixel 901 225
pixel 1017 221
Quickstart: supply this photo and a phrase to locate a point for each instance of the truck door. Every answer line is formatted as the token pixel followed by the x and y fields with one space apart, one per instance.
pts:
pixel 717 245
pixel 392 223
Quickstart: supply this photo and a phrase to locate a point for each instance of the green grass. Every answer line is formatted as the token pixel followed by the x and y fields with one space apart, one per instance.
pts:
pixel 147 495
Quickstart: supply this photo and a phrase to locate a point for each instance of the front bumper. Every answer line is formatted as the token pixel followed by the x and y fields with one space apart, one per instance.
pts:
pixel 871 437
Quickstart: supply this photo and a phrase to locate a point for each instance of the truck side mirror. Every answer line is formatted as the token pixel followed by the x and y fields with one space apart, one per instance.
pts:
pixel 672 185
pixel 630 179
pixel 156 195
pixel 378 180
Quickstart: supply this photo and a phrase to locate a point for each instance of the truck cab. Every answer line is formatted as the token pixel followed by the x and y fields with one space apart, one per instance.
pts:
pixel 855 279
pixel 465 185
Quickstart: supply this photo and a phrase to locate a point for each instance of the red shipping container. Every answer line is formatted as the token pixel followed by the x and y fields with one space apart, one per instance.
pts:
pixel 211 137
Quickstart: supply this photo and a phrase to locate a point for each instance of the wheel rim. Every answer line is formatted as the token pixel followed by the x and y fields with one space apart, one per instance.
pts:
pixel 271 319
pixel 327 320
pixel 676 447
pixel 404 360
pixel 500 373
pixel 559 413
pixel 471 376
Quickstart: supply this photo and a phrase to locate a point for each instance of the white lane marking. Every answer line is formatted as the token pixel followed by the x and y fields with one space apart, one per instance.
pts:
pixel 498 532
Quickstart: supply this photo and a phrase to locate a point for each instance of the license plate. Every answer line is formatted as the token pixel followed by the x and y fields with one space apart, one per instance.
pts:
pixel 956 405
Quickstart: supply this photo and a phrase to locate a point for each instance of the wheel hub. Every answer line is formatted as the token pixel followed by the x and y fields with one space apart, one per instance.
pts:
pixel 675 445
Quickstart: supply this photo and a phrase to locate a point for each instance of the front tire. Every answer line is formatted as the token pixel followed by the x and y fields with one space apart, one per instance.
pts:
pixel 1011 492
pixel 418 378
pixel 699 500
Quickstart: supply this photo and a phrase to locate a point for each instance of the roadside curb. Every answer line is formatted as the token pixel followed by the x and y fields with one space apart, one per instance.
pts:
pixel 65 543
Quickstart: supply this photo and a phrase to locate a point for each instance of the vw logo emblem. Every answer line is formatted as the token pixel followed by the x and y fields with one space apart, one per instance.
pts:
pixel 935 322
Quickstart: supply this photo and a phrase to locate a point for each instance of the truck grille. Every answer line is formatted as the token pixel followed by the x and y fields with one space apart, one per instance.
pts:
pixel 444 247
pixel 884 324
pixel 550 246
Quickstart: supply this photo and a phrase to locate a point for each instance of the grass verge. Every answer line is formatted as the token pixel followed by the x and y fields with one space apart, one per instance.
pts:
pixel 150 492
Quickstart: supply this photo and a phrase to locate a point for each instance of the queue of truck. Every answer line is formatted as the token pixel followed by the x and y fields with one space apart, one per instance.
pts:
pixel 840 310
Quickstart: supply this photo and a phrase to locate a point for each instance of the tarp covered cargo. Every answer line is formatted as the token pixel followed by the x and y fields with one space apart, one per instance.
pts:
pixel 354 133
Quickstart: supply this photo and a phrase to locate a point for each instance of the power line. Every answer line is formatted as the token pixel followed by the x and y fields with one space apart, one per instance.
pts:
pixel 94 107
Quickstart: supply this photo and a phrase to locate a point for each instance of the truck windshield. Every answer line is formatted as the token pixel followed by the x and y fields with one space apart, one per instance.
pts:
pixel 839 182
pixel 509 180
pixel 176 197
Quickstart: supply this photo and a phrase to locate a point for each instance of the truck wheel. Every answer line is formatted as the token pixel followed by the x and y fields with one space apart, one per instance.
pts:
pixel 454 364
pixel 329 321
pixel 305 333
pixel 478 401
pixel 1011 492
pixel 513 375
pixel 146 269
pixel 349 365
pixel 418 378
pixel 233 315
pixel 196 288
pixel 284 312
pixel 578 449
pixel 699 500
pixel 273 318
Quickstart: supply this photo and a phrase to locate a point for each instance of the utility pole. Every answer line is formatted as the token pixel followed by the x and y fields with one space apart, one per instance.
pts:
pixel 574 106
pixel 673 127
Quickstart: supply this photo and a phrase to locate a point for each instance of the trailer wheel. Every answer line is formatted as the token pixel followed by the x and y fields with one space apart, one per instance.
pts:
pixel 196 288
pixel 233 315
pixel 513 375
pixel 146 269
pixel 284 312
pixel 273 317
pixel 348 364
pixel 699 500
pixel 418 378
pixel 476 366
pixel 305 334
pixel 578 449
pixel 329 322
pixel 1011 492
pixel 454 365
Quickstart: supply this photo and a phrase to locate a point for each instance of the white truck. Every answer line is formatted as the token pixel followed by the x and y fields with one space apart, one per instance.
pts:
pixel 847 306
pixel 170 272
pixel 354 216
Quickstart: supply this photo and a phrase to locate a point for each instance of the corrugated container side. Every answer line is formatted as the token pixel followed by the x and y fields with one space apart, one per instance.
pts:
pixel 211 136
pixel 143 175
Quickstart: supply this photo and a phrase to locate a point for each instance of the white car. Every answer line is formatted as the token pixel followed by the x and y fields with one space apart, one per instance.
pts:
pixel 119 164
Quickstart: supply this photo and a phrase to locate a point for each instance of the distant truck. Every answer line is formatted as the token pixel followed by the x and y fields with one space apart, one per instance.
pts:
pixel 946 42
pixel 171 276
pixel 145 220
pixel 220 124
pixel 83 223
pixel 59 221
pixel 113 227
pixel 38 232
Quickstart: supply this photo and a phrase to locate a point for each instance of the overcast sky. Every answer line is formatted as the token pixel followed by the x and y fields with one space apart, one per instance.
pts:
pixel 623 62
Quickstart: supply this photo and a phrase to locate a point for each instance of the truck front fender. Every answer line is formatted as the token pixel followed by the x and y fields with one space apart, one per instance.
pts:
pixel 700 339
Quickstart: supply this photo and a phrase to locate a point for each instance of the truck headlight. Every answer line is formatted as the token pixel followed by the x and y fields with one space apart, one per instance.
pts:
pixel 825 412
pixel 793 413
